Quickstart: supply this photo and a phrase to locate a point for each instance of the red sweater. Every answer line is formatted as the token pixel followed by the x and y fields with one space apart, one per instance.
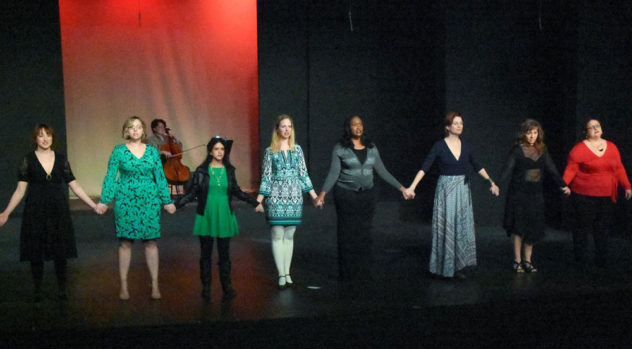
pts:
pixel 591 175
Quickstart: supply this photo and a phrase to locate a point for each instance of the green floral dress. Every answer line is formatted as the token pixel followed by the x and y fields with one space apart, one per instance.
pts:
pixel 139 190
pixel 218 221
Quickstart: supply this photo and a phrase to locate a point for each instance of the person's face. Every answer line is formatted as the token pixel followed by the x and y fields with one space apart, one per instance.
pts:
pixel 217 152
pixel 160 129
pixel 532 135
pixel 135 130
pixel 356 126
pixel 285 129
pixel 593 129
pixel 44 140
pixel 456 128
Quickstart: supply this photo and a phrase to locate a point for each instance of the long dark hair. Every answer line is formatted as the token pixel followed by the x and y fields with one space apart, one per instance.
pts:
pixel 227 143
pixel 345 140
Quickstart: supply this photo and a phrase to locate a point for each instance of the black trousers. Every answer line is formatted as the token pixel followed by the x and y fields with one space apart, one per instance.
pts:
pixel 592 215
pixel 354 210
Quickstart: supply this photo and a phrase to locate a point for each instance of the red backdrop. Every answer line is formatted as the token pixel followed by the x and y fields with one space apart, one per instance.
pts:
pixel 190 62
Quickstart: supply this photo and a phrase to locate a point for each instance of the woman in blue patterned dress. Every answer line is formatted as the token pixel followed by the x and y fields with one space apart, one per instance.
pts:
pixel 453 240
pixel 284 179
pixel 136 181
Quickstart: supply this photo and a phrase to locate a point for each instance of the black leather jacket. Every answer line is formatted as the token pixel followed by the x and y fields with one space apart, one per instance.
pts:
pixel 198 187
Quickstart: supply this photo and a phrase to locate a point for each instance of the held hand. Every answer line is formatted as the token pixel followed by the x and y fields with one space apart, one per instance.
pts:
pixel 566 190
pixel 259 208
pixel 171 208
pixel 3 218
pixel 409 193
pixel 318 202
pixel 101 208
pixel 628 194
pixel 494 189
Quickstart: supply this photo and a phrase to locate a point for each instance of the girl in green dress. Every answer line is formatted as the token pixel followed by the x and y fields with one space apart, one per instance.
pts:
pixel 214 184
pixel 136 181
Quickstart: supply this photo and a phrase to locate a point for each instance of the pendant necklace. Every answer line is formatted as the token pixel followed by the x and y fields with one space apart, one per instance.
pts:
pixel 218 179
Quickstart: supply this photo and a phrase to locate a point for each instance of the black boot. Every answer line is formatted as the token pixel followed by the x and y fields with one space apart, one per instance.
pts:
pixel 205 277
pixel 224 278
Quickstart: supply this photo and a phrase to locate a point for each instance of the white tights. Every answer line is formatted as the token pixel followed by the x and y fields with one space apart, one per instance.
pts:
pixel 282 248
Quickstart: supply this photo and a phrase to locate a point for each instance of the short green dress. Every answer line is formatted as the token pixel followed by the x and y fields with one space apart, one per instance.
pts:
pixel 218 221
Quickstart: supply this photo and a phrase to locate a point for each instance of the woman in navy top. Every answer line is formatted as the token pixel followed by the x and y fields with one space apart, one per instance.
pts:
pixel 453 241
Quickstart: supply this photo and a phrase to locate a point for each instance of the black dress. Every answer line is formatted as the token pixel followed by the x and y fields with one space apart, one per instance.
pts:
pixel 47 232
pixel 524 209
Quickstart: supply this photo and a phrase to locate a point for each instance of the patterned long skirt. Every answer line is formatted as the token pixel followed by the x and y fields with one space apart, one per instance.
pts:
pixel 453 241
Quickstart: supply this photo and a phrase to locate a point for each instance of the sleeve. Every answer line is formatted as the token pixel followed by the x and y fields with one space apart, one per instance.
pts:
pixel 473 158
pixel 306 183
pixel 23 170
pixel 508 169
pixel 191 190
pixel 110 182
pixel 383 172
pixel 334 170
pixel 159 177
pixel 236 191
pixel 572 165
pixel 622 176
pixel 266 174
pixel 549 166
pixel 68 176
pixel 430 158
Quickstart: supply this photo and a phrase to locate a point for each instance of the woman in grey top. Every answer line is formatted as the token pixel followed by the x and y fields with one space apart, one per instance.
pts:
pixel 351 175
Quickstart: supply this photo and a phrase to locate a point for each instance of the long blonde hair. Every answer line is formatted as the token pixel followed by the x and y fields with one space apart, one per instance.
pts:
pixel 275 144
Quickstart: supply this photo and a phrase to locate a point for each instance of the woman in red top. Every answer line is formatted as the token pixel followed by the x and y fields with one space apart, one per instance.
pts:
pixel 594 171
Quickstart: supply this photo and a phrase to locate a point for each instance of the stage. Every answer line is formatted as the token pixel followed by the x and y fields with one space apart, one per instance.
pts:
pixel 402 306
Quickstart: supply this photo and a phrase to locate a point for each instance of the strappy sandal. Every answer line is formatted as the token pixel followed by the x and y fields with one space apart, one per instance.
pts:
pixel 529 267
pixel 517 267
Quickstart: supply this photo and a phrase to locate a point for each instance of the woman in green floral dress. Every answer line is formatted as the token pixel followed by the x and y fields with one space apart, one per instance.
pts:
pixel 136 181
pixel 214 184
pixel 284 179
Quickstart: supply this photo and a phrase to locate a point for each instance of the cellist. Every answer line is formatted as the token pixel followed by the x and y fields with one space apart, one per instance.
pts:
pixel 170 149
pixel 160 137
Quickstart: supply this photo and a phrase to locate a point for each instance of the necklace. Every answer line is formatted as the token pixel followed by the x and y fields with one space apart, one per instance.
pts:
pixel 217 178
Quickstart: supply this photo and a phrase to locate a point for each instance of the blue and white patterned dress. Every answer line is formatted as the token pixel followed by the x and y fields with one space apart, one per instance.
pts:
pixel 284 179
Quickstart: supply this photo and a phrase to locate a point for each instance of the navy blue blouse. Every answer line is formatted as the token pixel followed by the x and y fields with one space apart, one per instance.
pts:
pixel 448 164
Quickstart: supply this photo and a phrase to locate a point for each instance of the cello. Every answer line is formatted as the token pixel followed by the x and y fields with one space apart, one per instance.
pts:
pixel 175 172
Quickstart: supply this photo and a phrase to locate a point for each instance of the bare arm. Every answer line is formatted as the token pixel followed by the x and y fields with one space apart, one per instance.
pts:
pixel 81 194
pixel 420 175
pixel 17 196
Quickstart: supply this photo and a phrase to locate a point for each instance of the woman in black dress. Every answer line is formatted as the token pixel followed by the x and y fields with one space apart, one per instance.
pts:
pixel 524 209
pixel 47 232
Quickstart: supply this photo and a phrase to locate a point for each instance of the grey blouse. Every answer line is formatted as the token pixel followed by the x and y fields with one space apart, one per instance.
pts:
pixel 347 172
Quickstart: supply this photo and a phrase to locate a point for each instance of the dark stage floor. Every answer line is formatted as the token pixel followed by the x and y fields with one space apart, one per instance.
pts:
pixel 403 306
